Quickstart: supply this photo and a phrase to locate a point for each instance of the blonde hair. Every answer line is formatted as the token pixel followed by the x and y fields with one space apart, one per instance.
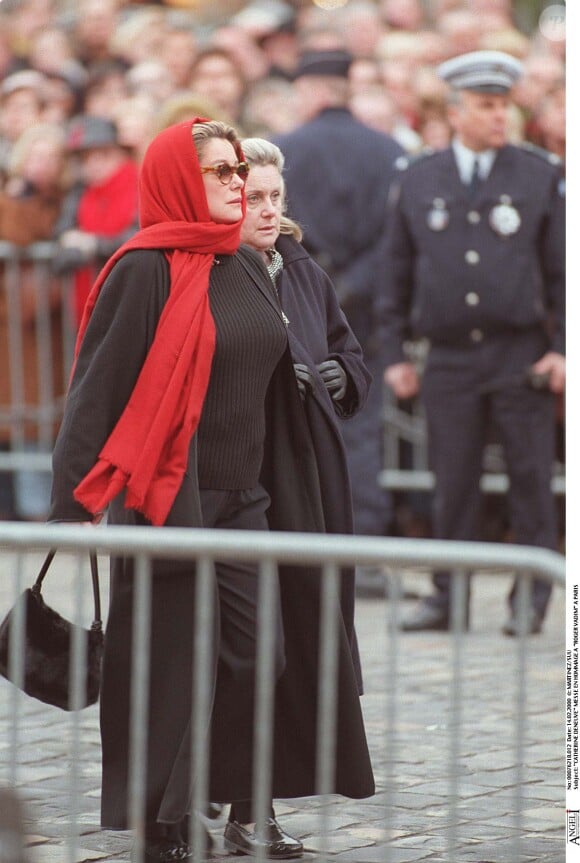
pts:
pixel 38 132
pixel 261 153
pixel 204 132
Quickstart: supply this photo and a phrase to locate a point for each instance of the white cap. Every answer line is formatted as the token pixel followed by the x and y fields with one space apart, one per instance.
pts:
pixel 484 71
pixel 24 79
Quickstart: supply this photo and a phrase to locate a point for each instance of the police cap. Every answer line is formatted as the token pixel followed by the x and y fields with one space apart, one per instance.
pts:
pixel 482 71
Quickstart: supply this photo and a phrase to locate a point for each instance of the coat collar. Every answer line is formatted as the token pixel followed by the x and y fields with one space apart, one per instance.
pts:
pixel 290 249
pixel 256 269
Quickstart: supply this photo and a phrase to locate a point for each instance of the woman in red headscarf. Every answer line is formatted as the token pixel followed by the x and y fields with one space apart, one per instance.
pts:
pixel 182 382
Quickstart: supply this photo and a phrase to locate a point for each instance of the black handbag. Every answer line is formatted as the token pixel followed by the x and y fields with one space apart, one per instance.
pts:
pixel 48 645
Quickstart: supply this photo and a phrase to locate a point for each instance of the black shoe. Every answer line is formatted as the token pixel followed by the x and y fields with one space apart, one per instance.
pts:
pixel 188 840
pixel 276 844
pixel 167 851
pixel 532 625
pixel 425 617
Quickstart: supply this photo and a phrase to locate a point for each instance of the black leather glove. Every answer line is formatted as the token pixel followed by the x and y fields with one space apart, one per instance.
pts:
pixel 303 378
pixel 334 377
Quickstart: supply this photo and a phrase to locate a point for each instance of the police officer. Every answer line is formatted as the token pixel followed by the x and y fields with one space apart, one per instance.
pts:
pixel 477 268
pixel 337 173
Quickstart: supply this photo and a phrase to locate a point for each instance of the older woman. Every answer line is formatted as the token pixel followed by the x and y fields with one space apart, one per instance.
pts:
pixel 182 387
pixel 328 360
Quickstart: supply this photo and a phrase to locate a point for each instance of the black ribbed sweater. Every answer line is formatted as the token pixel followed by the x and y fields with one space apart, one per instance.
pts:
pixel 250 340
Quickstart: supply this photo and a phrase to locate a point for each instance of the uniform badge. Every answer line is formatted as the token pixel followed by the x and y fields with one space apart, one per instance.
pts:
pixel 438 216
pixel 504 218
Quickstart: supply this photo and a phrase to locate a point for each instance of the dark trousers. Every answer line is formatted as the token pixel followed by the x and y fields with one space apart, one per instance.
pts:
pixel 173 620
pixel 468 392
pixel 233 711
pixel 362 436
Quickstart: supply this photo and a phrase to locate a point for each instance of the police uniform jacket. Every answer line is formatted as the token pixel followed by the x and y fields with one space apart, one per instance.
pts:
pixel 462 268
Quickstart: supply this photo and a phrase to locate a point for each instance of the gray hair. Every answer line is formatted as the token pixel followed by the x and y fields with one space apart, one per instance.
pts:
pixel 260 153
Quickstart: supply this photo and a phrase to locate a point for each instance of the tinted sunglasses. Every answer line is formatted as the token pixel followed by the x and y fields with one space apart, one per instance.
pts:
pixel 225 172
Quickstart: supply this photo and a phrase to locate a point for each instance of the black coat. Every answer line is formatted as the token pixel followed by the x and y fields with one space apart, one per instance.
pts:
pixel 317 331
pixel 116 342
pixel 337 173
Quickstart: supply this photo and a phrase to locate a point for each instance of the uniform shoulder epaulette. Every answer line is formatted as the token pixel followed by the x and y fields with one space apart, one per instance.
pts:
pixel 546 155
pixel 403 163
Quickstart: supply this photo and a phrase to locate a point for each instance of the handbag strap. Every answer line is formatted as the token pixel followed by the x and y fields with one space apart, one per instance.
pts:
pixel 97 622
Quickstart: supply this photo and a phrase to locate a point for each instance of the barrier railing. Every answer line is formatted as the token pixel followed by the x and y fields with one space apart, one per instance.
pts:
pixel 18 542
pixel 406 429
pixel 38 333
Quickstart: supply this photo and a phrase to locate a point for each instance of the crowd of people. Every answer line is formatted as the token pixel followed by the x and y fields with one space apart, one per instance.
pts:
pixel 143 65
pixel 85 88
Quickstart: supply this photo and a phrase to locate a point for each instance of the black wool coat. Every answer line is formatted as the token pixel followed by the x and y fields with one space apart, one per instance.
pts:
pixel 338 172
pixel 318 330
pixel 115 345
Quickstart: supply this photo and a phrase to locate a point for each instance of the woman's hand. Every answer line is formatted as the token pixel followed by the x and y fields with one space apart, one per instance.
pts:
pixel 303 379
pixel 334 377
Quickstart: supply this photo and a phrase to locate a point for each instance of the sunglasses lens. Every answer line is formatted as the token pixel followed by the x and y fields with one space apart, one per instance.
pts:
pixel 224 173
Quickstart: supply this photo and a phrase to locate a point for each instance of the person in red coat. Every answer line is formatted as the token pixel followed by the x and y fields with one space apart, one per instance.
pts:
pixel 100 212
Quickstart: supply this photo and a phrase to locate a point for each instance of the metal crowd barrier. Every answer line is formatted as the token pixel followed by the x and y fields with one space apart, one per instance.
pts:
pixel 408 428
pixel 37 300
pixel 18 541
pixel 38 333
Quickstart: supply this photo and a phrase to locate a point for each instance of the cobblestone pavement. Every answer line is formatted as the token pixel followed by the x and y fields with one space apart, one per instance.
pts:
pixel 411 817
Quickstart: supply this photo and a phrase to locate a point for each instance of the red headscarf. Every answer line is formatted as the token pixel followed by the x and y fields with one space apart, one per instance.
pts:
pixel 146 453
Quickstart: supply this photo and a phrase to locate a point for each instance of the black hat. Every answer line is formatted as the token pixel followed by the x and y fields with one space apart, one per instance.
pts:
pixel 86 132
pixel 335 63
